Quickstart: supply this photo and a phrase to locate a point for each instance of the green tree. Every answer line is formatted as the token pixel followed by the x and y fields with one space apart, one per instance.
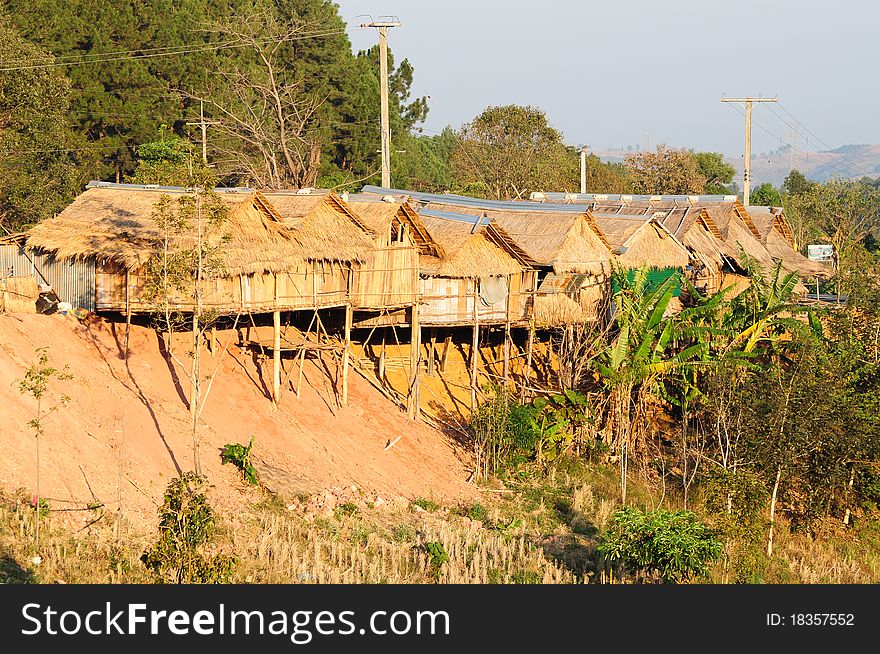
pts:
pixel 841 211
pixel 796 184
pixel 187 526
pixel 666 171
pixel 171 161
pixel 513 150
pixel 766 195
pixel 41 168
pixel 718 173
pixel 606 177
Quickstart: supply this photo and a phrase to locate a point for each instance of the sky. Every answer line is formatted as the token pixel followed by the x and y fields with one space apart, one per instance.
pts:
pixel 627 72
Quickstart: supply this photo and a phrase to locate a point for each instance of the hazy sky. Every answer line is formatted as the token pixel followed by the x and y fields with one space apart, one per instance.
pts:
pixel 608 72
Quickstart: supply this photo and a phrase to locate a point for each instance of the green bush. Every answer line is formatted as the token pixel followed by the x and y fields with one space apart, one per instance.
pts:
pixel 673 545
pixel 187 524
pixel 240 456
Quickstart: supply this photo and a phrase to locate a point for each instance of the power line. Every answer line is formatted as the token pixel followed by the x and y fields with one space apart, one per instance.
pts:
pixel 170 51
pixel 803 153
pixel 820 143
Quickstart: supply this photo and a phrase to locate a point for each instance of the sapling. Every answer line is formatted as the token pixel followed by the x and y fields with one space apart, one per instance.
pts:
pixel 36 382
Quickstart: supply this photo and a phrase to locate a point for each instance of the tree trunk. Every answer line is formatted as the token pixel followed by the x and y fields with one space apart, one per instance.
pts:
pixel 773 511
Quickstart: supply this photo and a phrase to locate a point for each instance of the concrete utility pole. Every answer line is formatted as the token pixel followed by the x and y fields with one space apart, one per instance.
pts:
pixel 383 26
pixel 584 169
pixel 203 124
pixel 747 155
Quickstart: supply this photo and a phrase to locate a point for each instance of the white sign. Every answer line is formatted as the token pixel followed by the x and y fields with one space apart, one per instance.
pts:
pixel 820 252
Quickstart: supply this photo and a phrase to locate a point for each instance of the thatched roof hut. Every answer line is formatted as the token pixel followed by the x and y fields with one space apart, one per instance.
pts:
pixel 638 241
pixel 471 246
pixel 386 215
pixel 567 242
pixel 779 240
pixel 325 222
pixel 117 223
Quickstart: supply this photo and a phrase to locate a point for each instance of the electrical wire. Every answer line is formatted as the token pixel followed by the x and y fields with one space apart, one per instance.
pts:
pixel 150 54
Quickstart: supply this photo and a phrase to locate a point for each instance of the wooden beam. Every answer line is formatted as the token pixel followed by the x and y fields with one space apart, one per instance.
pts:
pixel 346 353
pixel 506 369
pixel 432 349
pixel 475 345
pixel 128 312
pixel 528 371
pixel 414 363
pixel 444 358
pixel 276 356
pixel 382 360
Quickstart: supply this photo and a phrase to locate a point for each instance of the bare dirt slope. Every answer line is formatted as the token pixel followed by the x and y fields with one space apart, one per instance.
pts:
pixel 307 443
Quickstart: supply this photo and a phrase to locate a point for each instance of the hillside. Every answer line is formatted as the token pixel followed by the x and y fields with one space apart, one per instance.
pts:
pixel 304 446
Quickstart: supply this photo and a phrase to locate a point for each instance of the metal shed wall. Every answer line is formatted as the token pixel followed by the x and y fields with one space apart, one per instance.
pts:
pixel 72 281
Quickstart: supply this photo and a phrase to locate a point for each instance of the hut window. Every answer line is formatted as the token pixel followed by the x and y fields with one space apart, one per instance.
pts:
pixel 398 232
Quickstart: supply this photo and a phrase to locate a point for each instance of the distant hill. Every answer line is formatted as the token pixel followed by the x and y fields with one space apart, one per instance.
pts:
pixel 854 160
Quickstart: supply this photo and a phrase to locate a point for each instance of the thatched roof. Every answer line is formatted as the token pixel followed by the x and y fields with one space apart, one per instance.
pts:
pixel 378 214
pixel 321 219
pixel 116 222
pixel 642 241
pixel 471 247
pixel 565 241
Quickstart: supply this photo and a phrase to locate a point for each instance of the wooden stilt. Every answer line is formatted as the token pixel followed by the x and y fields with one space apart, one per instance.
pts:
pixel 432 348
pixel 127 312
pixel 414 364
pixel 475 346
pixel 506 369
pixel 276 356
pixel 382 360
pixel 528 371
pixel 346 353
pixel 444 358
pixel 213 341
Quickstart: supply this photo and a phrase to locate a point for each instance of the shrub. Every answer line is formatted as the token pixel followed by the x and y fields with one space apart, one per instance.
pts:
pixel 673 545
pixel 240 456
pixel 186 526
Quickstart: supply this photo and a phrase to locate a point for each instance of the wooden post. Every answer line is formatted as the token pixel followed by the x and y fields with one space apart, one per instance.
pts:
pixel 414 363
pixel 276 357
pixel 444 358
pixel 506 369
pixel 475 344
pixel 382 360
pixel 528 371
pixel 346 353
pixel 432 348
pixel 213 339
pixel 127 311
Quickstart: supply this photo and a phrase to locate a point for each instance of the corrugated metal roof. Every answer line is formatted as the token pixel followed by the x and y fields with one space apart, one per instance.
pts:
pixel 168 189
pixel 470 219
pixel 624 197
pixel 477 203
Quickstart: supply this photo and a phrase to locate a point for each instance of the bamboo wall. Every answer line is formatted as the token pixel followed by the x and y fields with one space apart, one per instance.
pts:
pixel 450 301
pixel 389 280
pixel 311 284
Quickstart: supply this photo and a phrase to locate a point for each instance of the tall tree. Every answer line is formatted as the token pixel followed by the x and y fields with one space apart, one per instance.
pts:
pixel 796 183
pixel 718 173
pixel 268 118
pixel 666 171
pixel 511 150
pixel 766 195
pixel 41 168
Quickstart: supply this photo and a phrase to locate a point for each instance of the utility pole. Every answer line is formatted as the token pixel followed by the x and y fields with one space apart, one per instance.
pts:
pixel 203 124
pixel 747 155
pixel 383 26
pixel 584 169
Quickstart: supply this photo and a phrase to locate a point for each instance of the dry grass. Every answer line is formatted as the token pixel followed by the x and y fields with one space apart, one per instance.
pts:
pixel 545 532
